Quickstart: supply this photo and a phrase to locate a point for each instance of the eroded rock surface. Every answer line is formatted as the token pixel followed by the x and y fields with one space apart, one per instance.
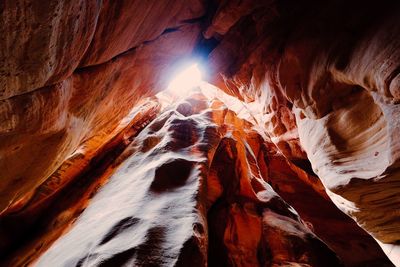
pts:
pixel 42 127
pixel 318 83
pixel 328 79
pixel 187 190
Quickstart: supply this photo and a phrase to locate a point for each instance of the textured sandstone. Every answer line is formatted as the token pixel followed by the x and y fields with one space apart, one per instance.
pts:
pixel 127 24
pixel 71 186
pixel 320 86
pixel 353 245
pixel 188 191
pixel 340 73
pixel 53 121
pixel 42 43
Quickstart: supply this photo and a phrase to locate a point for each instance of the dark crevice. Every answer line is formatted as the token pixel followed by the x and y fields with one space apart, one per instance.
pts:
pixel 193 20
pixel 169 30
pixel 118 228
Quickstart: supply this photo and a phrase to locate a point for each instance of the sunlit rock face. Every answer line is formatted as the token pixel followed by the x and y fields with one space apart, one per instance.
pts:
pixel 95 171
pixel 327 75
pixel 49 106
pixel 188 190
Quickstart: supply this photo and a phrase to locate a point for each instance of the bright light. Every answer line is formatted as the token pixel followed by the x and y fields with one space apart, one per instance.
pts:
pixel 186 80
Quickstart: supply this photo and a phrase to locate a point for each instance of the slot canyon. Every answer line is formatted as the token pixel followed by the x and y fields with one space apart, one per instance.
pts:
pixel 284 151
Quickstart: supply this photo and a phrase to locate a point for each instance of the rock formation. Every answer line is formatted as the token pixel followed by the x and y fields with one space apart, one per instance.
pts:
pixel 94 170
pixel 337 73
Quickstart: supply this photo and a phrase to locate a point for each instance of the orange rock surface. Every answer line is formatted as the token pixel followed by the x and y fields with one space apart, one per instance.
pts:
pixel 94 170
pixel 54 121
pixel 326 78
pixel 187 190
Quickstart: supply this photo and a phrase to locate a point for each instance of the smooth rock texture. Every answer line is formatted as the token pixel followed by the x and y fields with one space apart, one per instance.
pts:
pixel 42 43
pixel 353 245
pixel 204 199
pixel 128 24
pixel 56 203
pixel 313 121
pixel 337 72
pixel 53 121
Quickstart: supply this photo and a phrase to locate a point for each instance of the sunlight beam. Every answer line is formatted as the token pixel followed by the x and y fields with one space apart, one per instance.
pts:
pixel 186 80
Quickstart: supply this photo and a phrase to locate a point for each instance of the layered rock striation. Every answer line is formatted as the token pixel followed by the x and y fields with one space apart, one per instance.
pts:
pixel 318 125
pixel 187 190
pixel 326 74
pixel 50 107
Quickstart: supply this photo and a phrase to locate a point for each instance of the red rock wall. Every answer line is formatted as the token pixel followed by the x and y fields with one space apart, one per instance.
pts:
pixel 53 101
pixel 187 190
pixel 326 74
pixel 320 79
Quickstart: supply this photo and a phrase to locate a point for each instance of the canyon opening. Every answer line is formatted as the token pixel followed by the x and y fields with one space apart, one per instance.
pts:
pixel 189 78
